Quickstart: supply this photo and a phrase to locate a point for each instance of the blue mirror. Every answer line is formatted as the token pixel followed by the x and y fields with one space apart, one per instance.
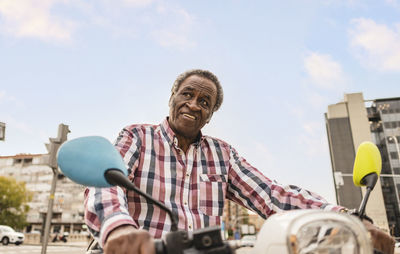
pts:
pixel 85 160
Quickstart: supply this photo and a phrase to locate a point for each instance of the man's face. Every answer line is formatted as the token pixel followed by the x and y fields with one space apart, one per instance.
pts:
pixel 191 106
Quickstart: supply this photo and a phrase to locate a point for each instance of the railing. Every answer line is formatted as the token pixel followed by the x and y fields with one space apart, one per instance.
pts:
pixel 35 238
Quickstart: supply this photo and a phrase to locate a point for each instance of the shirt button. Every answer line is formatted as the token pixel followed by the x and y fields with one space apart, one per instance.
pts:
pixel 187 175
pixel 190 226
pixel 185 203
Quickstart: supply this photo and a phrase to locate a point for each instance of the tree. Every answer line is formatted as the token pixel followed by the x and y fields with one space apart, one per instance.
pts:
pixel 13 202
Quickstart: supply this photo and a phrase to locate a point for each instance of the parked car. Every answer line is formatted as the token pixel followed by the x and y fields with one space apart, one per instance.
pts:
pixel 8 235
pixel 234 244
pixel 248 241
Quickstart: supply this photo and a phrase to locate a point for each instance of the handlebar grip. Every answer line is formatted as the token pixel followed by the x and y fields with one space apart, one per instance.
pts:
pixel 159 246
pixel 224 249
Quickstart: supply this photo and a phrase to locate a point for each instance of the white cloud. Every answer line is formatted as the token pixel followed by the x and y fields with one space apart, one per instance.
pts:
pixel 138 3
pixel 295 110
pixel 6 98
pixel 260 156
pixel 324 71
pixel 376 45
pixel 312 127
pixel 33 19
pixel 177 29
pixel 346 3
pixel 317 100
pixel 313 139
pixel 167 25
pixel 395 3
pixel 169 38
pixel 13 123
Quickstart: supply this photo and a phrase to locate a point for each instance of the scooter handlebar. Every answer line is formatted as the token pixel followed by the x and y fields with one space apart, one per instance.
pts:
pixel 203 241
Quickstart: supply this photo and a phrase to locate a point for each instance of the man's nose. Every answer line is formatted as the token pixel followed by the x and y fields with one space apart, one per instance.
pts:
pixel 193 105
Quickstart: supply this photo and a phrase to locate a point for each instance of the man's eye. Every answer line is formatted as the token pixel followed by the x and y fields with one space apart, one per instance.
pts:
pixel 204 103
pixel 187 95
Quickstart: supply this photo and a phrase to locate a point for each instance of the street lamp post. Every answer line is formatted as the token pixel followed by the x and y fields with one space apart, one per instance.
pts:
pixel 52 147
pixel 2 131
pixel 394 138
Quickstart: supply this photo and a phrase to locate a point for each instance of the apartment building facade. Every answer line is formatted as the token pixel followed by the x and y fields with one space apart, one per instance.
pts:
pixel 348 124
pixel 68 200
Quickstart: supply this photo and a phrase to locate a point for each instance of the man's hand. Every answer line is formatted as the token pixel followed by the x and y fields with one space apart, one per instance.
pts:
pixel 380 240
pixel 128 240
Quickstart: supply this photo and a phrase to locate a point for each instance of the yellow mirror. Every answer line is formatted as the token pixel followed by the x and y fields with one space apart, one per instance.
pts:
pixel 368 160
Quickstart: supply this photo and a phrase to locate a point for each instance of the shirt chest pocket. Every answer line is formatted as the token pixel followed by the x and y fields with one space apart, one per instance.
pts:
pixel 212 194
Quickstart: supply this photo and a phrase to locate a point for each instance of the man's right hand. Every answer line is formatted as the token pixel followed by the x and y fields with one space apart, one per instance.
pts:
pixel 129 240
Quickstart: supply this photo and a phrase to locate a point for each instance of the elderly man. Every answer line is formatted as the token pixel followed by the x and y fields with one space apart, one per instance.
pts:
pixel 189 172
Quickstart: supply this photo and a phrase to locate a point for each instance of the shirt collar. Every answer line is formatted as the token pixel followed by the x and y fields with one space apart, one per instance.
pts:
pixel 172 139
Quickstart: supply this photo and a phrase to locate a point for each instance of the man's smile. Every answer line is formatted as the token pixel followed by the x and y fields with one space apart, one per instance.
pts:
pixel 190 116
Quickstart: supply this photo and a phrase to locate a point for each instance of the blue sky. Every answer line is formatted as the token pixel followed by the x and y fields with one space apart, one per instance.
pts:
pixel 100 65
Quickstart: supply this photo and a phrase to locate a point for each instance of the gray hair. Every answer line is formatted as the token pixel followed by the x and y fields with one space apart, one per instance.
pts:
pixel 205 74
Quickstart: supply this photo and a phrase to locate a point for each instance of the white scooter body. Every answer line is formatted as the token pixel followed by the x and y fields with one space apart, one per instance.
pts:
pixel 328 232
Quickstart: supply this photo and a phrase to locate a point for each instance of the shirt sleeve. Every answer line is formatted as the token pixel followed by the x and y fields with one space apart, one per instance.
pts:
pixel 250 188
pixel 107 208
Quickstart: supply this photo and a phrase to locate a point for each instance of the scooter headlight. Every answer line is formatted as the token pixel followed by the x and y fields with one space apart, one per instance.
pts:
pixel 320 233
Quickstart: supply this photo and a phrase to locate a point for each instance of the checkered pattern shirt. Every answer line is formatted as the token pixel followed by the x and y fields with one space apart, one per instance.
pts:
pixel 194 185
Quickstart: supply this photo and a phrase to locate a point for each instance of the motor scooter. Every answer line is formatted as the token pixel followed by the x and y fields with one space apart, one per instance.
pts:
pixel 292 232
pixel 60 237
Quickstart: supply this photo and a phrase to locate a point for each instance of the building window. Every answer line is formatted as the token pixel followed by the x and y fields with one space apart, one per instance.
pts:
pixel 23 161
pixel 56 228
pixel 27 161
pixel 391 125
pixel 394 155
pixel 17 161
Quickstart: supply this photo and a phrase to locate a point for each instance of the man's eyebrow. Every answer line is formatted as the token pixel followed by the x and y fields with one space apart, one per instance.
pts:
pixel 208 97
pixel 188 89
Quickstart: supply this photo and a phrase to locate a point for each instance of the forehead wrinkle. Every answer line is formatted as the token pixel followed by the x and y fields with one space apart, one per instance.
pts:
pixel 188 88
pixel 200 87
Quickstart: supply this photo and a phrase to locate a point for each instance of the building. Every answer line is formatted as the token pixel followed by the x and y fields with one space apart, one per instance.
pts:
pixel 348 124
pixel 68 201
pixel 239 220
pixel 384 117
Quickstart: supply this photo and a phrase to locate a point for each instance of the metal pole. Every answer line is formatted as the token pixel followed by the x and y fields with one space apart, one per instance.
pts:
pixel 52 147
pixel 237 221
pixel 49 214
pixel 398 158
pixel 2 131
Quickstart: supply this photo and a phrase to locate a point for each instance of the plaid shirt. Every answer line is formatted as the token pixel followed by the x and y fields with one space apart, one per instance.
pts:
pixel 193 184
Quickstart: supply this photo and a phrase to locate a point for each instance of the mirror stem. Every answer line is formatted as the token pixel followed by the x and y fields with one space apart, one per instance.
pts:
pixel 363 204
pixel 116 177
pixel 369 181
